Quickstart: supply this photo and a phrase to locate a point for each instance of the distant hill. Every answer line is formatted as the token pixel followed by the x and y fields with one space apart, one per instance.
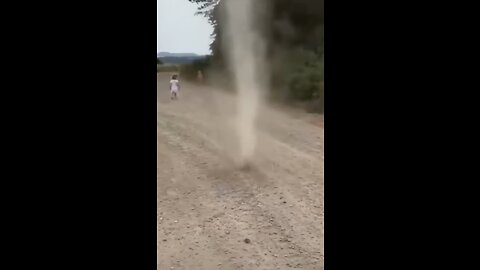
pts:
pixel 178 58
pixel 167 54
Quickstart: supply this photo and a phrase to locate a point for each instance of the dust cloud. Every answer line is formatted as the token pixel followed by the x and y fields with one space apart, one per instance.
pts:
pixel 244 48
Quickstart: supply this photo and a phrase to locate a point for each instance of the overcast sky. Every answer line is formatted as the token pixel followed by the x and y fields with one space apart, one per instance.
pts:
pixel 179 30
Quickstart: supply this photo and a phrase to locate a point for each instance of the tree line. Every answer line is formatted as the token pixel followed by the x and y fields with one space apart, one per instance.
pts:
pixel 294 31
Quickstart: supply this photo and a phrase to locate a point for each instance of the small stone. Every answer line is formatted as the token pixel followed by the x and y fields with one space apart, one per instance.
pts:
pixel 247 240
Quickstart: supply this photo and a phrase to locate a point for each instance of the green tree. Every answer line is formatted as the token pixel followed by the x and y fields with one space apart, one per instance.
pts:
pixel 295 33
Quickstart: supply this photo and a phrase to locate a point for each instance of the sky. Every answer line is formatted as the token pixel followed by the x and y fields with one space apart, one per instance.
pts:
pixel 179 30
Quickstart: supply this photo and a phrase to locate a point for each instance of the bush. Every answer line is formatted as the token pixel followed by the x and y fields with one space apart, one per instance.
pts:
pixel 317 104
pixel 190 71
pixel 307 82
pixel 301 79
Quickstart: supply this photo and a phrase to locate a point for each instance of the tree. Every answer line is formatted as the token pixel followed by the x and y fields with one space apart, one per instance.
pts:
pixel 159 62
pixel 295 37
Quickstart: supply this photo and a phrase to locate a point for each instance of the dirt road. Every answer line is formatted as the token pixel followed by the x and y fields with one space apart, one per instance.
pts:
pixel 212 215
